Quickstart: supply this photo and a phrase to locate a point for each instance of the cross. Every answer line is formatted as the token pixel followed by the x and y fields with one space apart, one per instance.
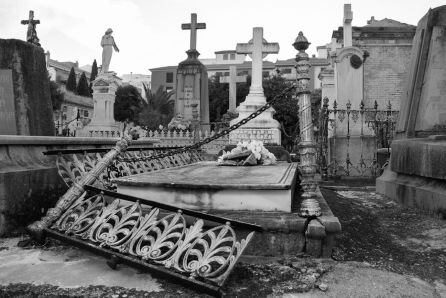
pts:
pixel 193 26
pixel 31 34
pixel 348 17
pixel 258 48
pixel 233 79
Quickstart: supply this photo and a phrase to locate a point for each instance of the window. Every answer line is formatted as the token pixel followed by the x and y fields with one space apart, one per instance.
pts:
pixel 226 73
pixel 169 77
pixel 225 56
pixel 286 70
pixel 218 73
pixel 232 57
pixel 242 73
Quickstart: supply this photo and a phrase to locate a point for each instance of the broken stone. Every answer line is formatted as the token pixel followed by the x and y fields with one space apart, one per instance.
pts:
pixel 323 287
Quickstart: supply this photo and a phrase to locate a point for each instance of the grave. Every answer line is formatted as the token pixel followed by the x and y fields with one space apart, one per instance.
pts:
pixel 191 85
pixel 25 102
pixel 104 87
pixel 264 127
pixel 416 175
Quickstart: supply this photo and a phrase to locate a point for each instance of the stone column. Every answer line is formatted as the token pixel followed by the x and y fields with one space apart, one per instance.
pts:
pixel 307 148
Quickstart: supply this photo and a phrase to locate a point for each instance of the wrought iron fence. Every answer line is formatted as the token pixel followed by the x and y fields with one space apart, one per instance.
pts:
pixel 348 139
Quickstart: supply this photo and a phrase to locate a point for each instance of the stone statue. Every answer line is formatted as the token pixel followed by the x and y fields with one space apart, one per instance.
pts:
pixel 31 34
pixel 108 44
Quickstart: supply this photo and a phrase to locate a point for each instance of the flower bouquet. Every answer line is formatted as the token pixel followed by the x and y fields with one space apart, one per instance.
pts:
pixel 247 154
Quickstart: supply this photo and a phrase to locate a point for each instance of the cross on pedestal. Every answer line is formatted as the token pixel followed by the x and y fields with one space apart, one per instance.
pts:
pixel 259 48
pixel 193 26
pixel 31 34
pixel 232 79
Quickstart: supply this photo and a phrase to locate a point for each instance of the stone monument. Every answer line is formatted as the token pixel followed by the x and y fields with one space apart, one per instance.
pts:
pixel 232 80
pixel 263 127
pixel 104 87
pixel 417 173
pixel 191 83
pixel 25 100
pixel 31 34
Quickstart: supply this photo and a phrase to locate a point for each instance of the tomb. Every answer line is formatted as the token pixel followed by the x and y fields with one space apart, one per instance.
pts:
pixel 416 176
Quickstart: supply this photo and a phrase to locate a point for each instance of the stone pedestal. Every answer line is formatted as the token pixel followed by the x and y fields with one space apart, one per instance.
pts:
pixel 263 127
pixel 191 88
pixel 417 175
pixel 25 100
pixel 103 123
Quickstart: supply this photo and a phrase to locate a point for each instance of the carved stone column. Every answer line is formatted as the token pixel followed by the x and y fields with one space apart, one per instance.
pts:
pixel 307 148
pixel 77 189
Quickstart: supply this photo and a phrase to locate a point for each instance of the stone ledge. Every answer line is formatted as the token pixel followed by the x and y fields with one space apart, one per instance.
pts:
pixel 414 191
pixel 421 157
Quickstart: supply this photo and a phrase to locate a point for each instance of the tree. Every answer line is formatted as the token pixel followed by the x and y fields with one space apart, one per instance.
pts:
pixel 128 104
pixel 82 86
pixel 94 74
pixel 71 82
pixel 158 110
pixel 57 96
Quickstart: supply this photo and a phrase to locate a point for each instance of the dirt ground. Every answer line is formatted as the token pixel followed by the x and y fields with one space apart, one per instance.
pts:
pixel 384 250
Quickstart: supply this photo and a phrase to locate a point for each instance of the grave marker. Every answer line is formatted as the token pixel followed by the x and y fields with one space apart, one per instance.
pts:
pixel 232 80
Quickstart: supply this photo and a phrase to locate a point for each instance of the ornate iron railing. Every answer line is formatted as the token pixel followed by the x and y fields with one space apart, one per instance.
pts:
pixel 157 237
pixel 72 165
pixel 346 123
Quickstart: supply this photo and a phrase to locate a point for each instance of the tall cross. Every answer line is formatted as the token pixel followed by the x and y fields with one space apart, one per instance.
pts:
pixel 233 79
pixel 259 48
pixel 348 17
pixel 193 26
pixel 31 34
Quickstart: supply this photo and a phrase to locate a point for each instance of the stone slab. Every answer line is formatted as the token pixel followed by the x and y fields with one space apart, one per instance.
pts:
pixel 206 186
pixel 211 176
pixel 420 156
pixel 414 191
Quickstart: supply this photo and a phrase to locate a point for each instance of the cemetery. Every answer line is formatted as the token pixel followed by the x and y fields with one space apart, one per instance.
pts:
pixel 238 184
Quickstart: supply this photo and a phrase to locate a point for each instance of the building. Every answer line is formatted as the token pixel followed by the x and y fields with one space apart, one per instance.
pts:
pixel 59 71
pixel 219 66
pixel 138 81
pixel 73 106
pixel 388 44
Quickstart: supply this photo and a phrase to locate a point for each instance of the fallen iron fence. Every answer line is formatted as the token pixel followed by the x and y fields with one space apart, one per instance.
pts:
pixel 348 139
pixel 73 164
pixel 191 247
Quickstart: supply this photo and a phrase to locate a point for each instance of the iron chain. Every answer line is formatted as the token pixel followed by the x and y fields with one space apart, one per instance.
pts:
pixel 214 137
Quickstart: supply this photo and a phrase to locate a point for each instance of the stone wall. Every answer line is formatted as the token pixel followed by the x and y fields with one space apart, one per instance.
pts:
pixel 34 115
pixel 29 182
pixel 385 72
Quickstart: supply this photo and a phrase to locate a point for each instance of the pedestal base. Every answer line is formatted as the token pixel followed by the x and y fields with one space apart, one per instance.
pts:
pixel 262 128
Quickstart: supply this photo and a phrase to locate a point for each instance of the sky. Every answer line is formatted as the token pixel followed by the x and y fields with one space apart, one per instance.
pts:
pixel 148 32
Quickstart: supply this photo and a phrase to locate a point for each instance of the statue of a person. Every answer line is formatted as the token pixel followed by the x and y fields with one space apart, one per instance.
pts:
pixel 108 44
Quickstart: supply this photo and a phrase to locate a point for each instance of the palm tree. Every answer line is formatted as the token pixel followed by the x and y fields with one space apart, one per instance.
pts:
pixel 158 110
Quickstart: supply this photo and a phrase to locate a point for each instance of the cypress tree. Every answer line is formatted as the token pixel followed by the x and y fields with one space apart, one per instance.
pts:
pixel 71 82
pixel 82 86
pixel 94 74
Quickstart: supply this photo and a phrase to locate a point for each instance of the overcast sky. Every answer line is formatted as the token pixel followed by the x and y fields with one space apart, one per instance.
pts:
pixel 148 32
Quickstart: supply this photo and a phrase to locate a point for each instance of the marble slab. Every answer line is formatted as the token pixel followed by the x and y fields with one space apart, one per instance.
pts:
pixel 205 185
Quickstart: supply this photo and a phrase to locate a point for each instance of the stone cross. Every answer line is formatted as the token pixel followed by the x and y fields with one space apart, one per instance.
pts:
pixel 258 48
pixel 233 79
pixel 31 34
pixel 193 26
pixel 348 17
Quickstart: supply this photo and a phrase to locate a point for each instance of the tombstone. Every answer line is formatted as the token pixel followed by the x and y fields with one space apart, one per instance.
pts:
pixel 349 144
pixel 232 80
pixel 263 127
pixel 191 83
pixel 25 100
pixel 416 176
pixel 103 122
